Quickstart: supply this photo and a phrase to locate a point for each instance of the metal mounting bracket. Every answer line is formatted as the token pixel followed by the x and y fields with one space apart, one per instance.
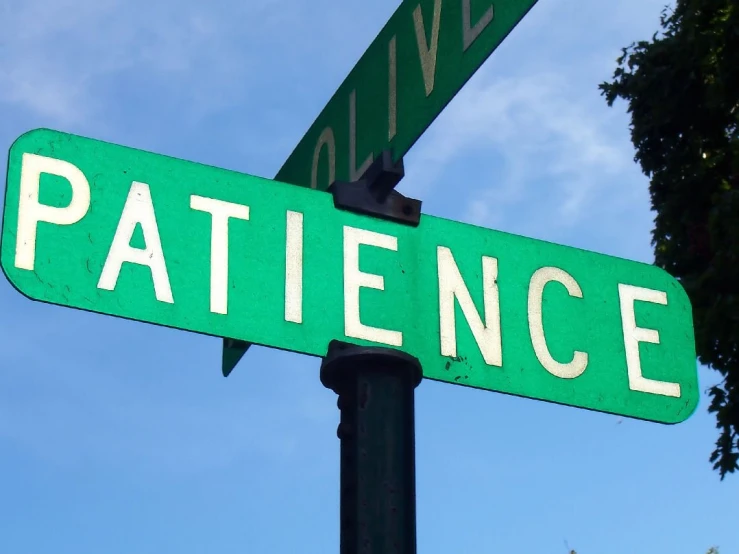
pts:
pixel 373 194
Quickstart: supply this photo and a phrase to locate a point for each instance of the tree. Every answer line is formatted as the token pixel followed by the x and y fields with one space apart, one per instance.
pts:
pixel 682 89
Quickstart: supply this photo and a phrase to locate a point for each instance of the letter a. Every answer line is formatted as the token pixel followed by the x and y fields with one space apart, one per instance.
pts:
pixel 137 210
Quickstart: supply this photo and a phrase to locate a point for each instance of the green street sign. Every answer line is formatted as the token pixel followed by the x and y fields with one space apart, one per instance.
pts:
pixel 118 231
pixel 421 58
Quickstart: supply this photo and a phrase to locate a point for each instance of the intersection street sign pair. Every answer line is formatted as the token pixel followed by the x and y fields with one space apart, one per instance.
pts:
pixel 118 231
pixel 421 58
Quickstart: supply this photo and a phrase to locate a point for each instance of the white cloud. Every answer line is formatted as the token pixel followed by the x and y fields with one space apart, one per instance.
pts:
pixel 530 145
pixel 58 51
pixel 541 129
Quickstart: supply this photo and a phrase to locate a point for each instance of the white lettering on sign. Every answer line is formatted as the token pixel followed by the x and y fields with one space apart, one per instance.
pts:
pixel 138 210
pixel 355 172
pixel 326 137
pixel 31 212
pixel 539 280
pixel 633 335
pixel 354 279
pixel 427 54
pixel 471 32
pixel 294 268
pixel 451 286
pixel 392 89
pixel 220 211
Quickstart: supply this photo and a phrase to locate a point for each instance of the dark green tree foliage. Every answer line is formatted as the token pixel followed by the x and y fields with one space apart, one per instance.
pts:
pixel 682 89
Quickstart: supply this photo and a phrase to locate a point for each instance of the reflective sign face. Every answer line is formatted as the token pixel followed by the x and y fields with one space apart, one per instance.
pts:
pixel 133 234
pixel 418 62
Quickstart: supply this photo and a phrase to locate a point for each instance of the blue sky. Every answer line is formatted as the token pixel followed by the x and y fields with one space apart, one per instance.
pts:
pixel 122 437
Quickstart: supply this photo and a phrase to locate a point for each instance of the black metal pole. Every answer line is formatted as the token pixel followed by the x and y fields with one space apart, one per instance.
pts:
pixel 376 389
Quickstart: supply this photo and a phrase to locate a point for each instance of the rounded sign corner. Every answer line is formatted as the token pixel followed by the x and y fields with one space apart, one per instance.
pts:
pixel 676 284
pixel 28 135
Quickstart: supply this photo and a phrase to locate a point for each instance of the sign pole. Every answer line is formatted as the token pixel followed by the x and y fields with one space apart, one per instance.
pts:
pixel 376 389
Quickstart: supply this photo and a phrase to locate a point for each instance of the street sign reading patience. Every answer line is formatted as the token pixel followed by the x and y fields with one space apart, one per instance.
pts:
pixel 118 231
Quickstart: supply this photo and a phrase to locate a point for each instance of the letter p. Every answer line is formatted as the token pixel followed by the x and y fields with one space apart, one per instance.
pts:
pixel 31 212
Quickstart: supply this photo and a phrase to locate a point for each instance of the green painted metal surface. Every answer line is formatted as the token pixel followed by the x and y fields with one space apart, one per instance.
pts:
pixel 119 231
pixel 393 102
